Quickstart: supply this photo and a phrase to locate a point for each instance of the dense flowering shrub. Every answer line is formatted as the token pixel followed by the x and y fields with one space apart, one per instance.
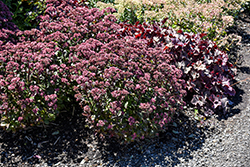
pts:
pixel 35 76
pixel 7 28
pixel 30 83
pixel 126 89
pixel 205 68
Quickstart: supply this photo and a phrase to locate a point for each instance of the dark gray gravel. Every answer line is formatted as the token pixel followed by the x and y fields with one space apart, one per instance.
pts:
pixel 224 142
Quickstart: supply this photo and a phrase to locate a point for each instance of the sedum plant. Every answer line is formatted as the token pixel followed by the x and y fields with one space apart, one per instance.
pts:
pixel 126 89
pixel 205 67
pixel 35 74
pixel 28 94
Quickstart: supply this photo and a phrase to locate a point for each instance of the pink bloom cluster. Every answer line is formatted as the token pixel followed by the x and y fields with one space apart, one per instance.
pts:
pixel 122 79
pixel 120 83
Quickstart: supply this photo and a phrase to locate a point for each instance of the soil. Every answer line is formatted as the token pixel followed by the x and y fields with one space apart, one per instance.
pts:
pixel 67 141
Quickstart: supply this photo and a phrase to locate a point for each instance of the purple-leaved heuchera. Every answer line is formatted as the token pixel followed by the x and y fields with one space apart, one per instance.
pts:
pixel 205 67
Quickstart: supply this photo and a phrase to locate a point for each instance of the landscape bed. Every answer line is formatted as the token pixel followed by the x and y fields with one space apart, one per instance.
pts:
pixel 110 100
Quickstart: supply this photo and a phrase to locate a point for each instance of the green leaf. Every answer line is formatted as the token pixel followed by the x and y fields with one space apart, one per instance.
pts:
pixel 46 122
pixel 196 111
pixel 51 116
pixel 55 133
pixel 175 132
pixel 126 105
pixel 174 124
pixel 191 136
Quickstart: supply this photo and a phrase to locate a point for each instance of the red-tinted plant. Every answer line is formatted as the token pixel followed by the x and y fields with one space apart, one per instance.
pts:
pixel 205 67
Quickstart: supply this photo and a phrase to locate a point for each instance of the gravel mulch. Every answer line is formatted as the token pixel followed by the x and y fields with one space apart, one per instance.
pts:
pixel 66 142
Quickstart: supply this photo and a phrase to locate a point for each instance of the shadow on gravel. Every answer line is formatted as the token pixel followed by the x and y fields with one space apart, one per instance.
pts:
pixel 236 57
pixel 67 141
pixel 237 99
pixel 180 140
pixel 61 141
pixel 245 70
pixel 244 17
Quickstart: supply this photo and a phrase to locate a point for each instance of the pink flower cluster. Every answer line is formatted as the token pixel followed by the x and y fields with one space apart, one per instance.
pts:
pixel 119 82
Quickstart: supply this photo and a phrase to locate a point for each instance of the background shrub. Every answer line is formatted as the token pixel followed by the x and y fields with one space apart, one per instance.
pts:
pixel 212 17
pixel 131 11
pixel 26 12
pixel 7 27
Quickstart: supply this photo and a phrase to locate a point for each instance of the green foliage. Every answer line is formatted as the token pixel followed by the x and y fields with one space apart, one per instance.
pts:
pixel 127 10
pixel 92 3
pixel 26 12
